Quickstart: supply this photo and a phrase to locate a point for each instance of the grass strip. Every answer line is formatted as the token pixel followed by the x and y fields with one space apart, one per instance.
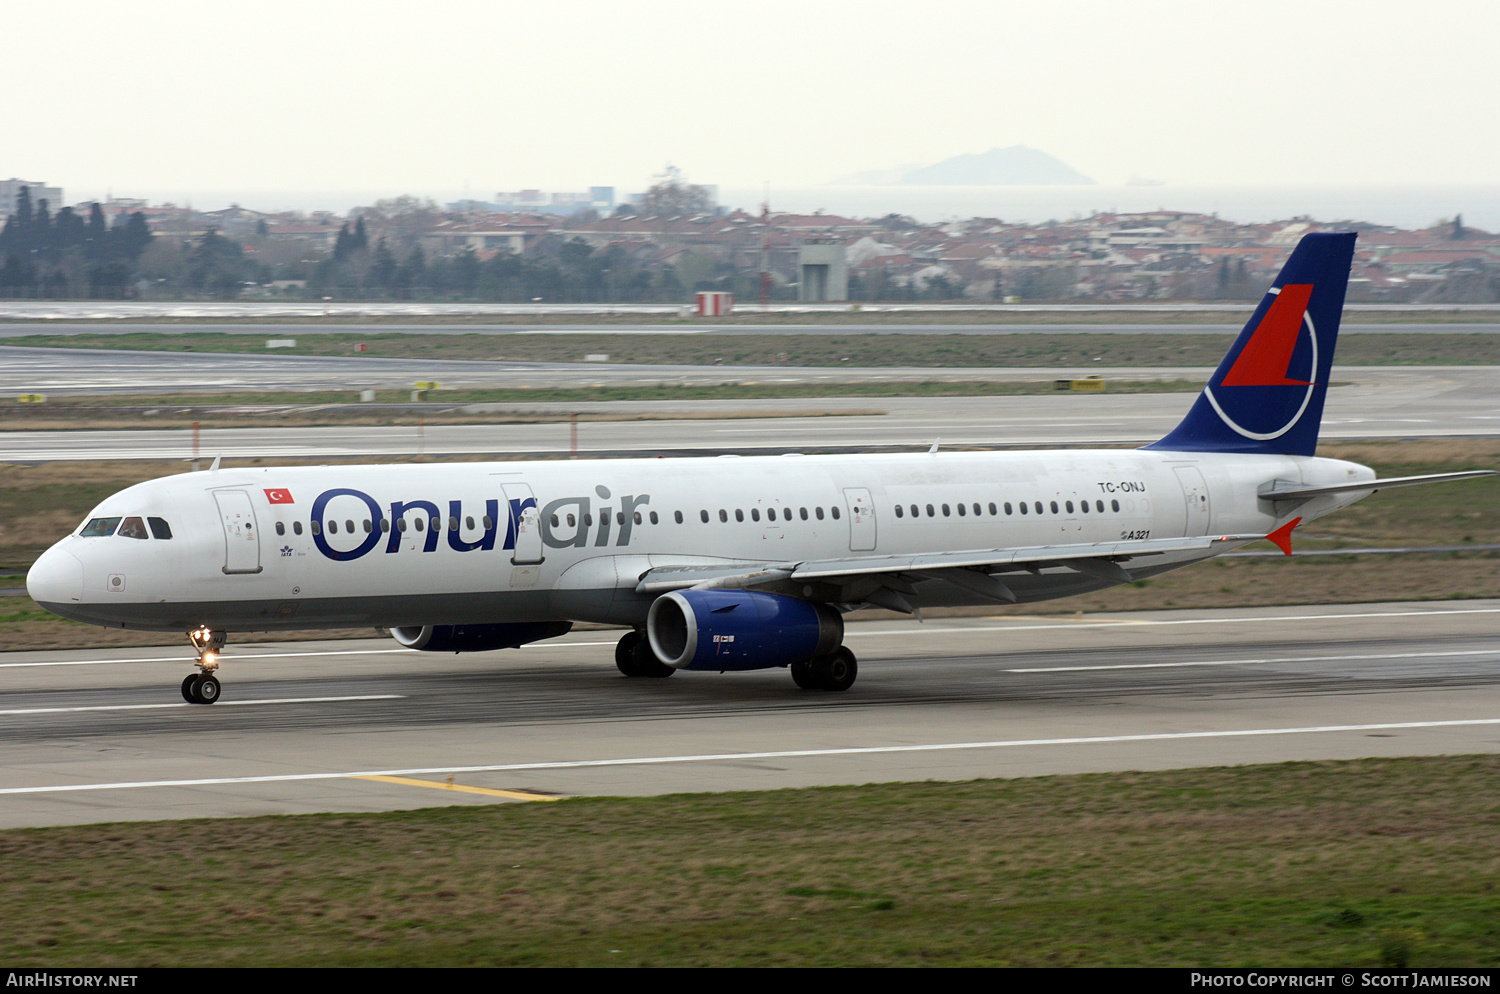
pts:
pixel 1371 862
pixel 873 349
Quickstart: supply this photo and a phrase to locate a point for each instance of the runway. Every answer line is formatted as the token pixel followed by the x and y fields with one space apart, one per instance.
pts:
pixel 1367 402
pixel 102 735
pixel 284 329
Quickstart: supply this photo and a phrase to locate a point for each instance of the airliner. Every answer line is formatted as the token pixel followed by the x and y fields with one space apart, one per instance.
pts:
pixel 723 563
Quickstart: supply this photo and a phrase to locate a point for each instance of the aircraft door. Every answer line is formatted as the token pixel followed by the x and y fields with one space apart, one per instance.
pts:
pixel 241 543
pixel 861 519
pixel 526 524
pixel 1195 499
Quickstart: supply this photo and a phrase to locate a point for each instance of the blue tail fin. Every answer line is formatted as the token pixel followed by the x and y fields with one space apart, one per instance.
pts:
pixel 1267 394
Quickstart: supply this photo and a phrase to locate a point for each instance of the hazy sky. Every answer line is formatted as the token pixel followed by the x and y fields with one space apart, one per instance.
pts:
pixel 150 97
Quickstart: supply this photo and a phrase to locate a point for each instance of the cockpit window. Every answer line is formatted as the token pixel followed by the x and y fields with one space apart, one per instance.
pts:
pixel 100 526
pixel 133 528
pixel 160 528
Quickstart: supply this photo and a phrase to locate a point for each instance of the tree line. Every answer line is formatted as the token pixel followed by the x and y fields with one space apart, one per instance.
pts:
pixel 63 254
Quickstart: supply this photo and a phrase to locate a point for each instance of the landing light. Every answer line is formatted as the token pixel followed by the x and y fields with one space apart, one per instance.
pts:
pixel 209 657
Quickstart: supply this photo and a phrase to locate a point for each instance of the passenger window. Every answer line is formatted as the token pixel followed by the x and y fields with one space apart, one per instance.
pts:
pixel 349 526
pixel 803 512
pixel 1007 507
pixel 418 523
pixel 317 529
pixel 333 527
pixel 296 528
pixel 620 518
pixel 962 511
pixel 453 522
pixel 723 515
pixel 572 522
pixel 367 526
pixel 755 514
pixel 401 524
pixel 100 526
pixel 488 522
pixel 133 528
pixel 280 528
pixel 930 512
pixel 638 517
pixel 555 521
pixel 976 509
pixel 1054 507
pixel 437 524
pixel 1023 507
pixel 1099 506
pixel 676 516
pixel 1038 505
pixel 1083 506
pixel 899 512
pixel 834 510
pixel 1070 507
pixel 993 510
pixel 916 511
pixel 588 521
pixel 946 512
pixel 385 525
pixel 739 515
pixel 1114 505
pixel 159 527
pixel 818 513
pixel 703 516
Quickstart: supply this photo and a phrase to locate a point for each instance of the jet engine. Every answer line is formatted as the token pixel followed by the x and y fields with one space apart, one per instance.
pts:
pixel 478 638
pixel 739 629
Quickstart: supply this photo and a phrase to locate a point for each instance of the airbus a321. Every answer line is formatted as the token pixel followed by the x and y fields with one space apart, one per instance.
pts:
pixel 727 563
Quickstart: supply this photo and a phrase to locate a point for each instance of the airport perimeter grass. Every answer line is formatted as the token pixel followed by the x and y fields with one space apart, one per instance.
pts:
pixel 1373 862
pixel 844 350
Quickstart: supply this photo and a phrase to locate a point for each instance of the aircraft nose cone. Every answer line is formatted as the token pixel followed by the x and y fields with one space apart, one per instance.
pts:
pixel 55 578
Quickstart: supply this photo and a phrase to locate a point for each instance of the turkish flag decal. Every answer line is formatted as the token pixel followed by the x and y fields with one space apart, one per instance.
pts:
pixel 279 496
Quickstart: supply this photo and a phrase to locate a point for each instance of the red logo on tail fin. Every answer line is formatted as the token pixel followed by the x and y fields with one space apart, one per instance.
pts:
pixel 1264 360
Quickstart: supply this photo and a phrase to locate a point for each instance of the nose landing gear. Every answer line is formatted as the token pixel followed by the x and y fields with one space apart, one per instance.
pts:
pixel 203 687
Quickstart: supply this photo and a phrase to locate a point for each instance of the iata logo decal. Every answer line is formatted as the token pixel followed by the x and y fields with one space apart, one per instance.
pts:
pixel 1274 362
pixel 280 497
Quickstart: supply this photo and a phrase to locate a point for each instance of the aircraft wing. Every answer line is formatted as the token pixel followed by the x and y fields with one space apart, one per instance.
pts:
pixel 884 579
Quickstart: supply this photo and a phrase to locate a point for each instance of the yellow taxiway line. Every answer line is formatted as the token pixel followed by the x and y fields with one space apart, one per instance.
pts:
pixel 514 795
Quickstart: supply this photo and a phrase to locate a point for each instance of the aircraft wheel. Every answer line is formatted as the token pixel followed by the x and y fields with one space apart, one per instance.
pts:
pixel 189 688
pixel 625 651
pixel 208 689
pixel 803 674
pixel 646 663
pixel 837 670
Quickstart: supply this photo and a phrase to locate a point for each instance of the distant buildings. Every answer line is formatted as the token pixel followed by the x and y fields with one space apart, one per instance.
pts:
pixel 10 192
pixel 599 198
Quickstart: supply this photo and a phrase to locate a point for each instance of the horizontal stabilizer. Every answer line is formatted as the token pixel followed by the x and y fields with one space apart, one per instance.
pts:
pixel 1305 493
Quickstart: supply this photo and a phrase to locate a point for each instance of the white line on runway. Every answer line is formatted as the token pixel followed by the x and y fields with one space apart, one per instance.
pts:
pixel 222 703
pixel 1116 622
pixel 742 756
pixel 1252 662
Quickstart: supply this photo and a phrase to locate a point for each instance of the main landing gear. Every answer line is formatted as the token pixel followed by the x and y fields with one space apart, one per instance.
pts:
pixel 634 657
pixel 835 671
pixel 203 687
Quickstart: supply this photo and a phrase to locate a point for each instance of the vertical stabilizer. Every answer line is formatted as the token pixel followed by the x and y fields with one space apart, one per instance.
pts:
pixel 1267 395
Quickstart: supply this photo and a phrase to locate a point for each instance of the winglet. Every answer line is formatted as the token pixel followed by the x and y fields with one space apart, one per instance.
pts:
pixel 1282 537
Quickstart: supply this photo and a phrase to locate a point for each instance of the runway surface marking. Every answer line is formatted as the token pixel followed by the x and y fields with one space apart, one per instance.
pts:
pixel 1062 624
pixel 1252 662
pixel 185 704
pixel 514 795
pixel 1083 623
pixel 741 756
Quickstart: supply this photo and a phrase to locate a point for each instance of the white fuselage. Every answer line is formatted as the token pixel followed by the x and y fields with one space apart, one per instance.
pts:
pixel 331 546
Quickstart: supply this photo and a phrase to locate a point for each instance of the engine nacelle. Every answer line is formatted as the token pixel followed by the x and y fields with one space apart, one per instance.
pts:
pixel 478 638
pixel 739 629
